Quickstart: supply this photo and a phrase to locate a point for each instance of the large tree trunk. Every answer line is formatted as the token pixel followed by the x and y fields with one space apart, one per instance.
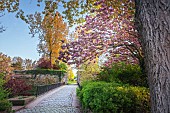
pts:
pixel 153 25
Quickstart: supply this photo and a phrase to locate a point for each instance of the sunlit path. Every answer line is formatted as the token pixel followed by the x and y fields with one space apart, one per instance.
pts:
pixel 62 100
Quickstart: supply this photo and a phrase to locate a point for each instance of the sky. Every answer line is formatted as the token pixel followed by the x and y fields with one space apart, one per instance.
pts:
pixel 16 40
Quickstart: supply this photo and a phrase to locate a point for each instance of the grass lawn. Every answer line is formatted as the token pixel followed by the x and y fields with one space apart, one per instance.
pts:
pixel 71 82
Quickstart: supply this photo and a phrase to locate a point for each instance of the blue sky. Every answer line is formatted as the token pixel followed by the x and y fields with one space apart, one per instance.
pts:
pixel 16 40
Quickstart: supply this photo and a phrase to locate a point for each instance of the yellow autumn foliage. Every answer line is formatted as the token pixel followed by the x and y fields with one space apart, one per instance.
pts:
pixel 70 74
pixel 56 32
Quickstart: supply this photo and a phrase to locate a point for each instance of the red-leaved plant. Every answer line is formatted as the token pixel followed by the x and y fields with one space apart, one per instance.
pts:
pixel 18 87
pixel 44 63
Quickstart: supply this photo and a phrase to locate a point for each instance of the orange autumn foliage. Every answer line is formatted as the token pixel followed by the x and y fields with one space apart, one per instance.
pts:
pixel 56 31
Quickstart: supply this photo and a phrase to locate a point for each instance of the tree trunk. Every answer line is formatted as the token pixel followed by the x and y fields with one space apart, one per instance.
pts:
pixel 153 25
pixel 50 55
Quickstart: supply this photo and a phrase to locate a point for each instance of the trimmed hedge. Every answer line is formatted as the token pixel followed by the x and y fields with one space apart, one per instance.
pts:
pixel 42 71
pixel 102 97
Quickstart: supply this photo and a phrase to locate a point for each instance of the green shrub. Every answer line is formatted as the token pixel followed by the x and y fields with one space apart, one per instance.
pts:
pixel 125 73
pixel 102 97
pixel 133 75
pixel 3 92
pixel 63 66
pixel 110 74
pixel 5 105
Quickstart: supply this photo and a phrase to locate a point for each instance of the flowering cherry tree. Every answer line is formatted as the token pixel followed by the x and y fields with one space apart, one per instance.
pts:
pixel 110 30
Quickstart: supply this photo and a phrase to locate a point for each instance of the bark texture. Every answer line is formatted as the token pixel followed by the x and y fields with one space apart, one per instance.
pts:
pixel 153 25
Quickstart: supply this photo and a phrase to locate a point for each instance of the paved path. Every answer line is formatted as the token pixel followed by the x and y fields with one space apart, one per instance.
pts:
pixel 61 100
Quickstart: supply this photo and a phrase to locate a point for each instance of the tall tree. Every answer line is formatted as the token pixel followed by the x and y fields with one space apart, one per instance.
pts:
pixel 54 34
pixel 109 29
pixel 17 63
pixel 88 71
pixel 5 64
pixel 70 75
pixel 153 24
pixel 28 64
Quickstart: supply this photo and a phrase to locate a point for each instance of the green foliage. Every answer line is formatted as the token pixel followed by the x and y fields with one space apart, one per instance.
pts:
pixel 5 105
pixel 111 74
pixel 42 71
pixel 133 75
pixel 142 99
pixel 88 71
pixel 102 97
pixel 63 66
pixel 125 73
pixel 71 82
pixel 3 92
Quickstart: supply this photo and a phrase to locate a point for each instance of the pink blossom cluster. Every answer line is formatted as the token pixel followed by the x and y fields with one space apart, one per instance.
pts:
pixel 107 30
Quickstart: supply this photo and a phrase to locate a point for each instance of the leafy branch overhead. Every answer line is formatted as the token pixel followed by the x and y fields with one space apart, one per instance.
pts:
pixel 73 10
pixel 108 29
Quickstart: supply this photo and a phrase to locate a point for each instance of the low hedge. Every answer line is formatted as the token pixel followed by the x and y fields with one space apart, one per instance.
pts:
pixel 100 97
pixel 42 71
pixel 5 106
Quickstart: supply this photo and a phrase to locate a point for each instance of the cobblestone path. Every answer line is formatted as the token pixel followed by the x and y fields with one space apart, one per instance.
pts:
pixel 59 102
